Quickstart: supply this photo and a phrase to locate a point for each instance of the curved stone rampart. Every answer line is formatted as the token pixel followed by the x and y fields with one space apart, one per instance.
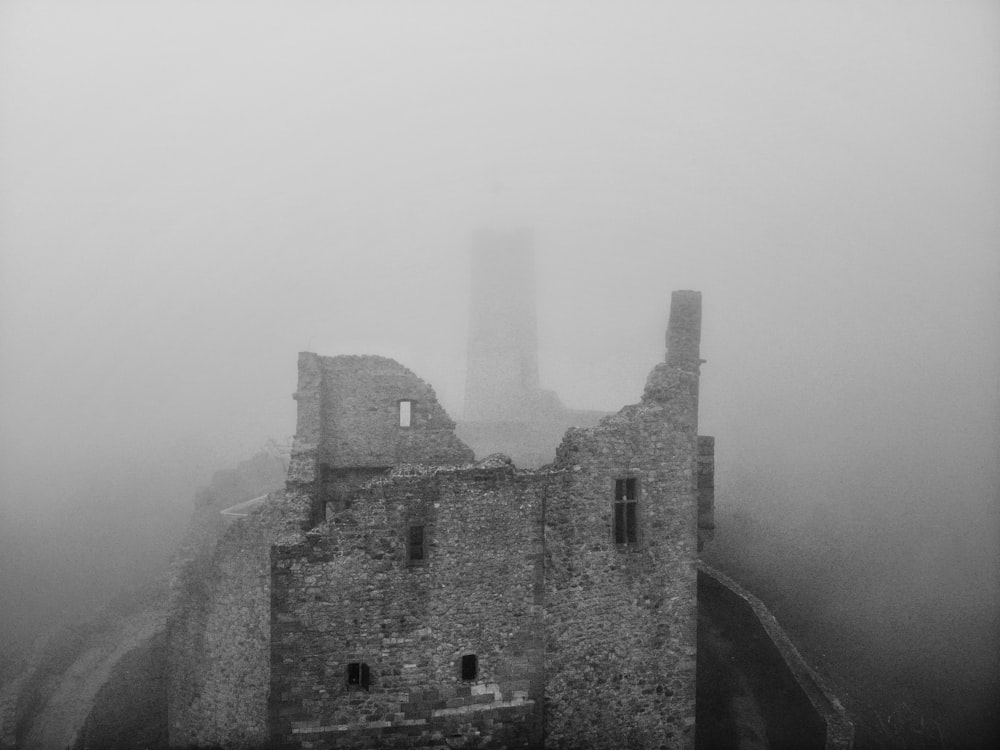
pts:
pixel 797 708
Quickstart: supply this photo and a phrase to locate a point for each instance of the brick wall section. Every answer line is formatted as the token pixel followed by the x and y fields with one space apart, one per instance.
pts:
pixel 219 633
pixel 347 593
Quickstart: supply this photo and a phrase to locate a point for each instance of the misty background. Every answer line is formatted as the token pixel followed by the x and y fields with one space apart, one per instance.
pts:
pixel 191 193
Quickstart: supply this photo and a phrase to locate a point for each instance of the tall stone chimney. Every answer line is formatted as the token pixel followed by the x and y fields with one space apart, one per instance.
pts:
pixel 502 370
pixel 684 331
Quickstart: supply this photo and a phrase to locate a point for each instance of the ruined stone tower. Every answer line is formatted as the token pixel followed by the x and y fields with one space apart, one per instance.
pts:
pixel 506 409
pixel 502 375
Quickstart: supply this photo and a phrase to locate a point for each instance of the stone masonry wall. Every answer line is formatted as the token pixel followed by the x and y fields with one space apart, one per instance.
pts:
pixel 620 619
pixel 347 593
pixel 303 467
pixel 219 634
pixel 581 639
pixel 348 426
pixel 348 417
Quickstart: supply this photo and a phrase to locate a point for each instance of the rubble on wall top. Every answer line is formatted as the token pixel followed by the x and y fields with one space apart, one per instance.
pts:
pixel 494 464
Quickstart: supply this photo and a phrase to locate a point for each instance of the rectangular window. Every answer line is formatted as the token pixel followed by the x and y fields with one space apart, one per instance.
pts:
pixel 625 512
pixel 358 675
pixel 415 543
pixel 470 667
pixel 405 412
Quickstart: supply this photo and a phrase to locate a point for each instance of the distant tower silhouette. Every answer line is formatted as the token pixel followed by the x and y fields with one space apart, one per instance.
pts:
pixel 502 370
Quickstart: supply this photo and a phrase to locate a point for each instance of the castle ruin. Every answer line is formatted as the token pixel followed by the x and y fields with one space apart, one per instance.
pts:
pixel 399 593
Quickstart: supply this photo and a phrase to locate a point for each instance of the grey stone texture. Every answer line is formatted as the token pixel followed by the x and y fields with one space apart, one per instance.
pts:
pixel 347 593
pixel 621 619
pixel 219 623
pixel 349 420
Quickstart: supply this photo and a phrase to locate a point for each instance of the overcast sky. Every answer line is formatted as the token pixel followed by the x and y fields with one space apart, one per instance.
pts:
pixel 193 192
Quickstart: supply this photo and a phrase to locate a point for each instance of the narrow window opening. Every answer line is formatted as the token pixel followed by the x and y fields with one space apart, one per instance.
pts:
pixel 630 535
pixel 626 517
pixel 619 523
pixel 470 667
pixel 405 413
pixel 358 675
pixel 415 543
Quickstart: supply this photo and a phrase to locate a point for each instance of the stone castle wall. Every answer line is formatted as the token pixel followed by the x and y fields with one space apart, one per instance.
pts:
pixel 349 428
pixel 321 630
pixel 349 415
pixel 218 676
pixel 348 593
pixel 620 619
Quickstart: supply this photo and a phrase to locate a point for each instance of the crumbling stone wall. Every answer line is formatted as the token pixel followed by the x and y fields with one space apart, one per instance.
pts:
pixel 349 430
pixel 219 640
pixel 348 417
pixel 347 593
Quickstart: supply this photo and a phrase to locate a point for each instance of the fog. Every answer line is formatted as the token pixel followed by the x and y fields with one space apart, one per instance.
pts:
pixel 192 193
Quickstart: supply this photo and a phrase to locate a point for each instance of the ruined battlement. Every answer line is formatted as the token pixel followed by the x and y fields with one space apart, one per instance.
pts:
pixel 684 330
pixel 358 416
pixel 367 412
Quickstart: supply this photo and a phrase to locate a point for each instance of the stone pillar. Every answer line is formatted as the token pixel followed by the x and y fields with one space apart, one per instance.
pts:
pixel 684 330
pixel 303 464
pixel 684 345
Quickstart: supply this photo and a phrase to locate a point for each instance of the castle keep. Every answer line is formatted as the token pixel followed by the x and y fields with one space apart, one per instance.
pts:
pixel 400 594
